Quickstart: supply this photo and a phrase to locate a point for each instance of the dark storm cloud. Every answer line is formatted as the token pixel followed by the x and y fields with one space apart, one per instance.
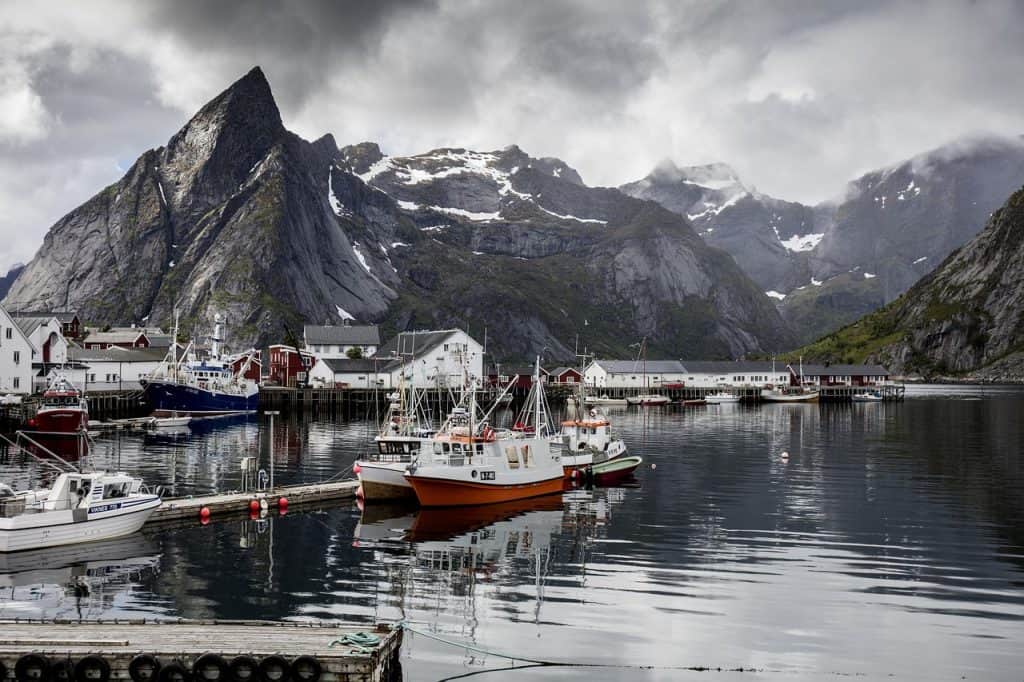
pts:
pixel 798 95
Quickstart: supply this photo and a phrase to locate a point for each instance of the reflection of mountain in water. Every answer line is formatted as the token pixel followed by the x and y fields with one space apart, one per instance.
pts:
pixel 91 580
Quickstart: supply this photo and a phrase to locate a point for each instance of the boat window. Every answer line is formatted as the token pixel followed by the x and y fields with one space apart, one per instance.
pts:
pixel 527 456
pixel 480 448
pixel 512 456
pixel 447 448
pixel 457 448
pixel 437 448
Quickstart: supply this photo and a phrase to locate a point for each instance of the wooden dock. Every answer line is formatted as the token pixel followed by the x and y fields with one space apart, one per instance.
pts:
pixel 237 502
pixel 752 394
pixel 208 651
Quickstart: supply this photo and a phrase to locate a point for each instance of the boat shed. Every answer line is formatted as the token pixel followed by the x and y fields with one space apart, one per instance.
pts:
pixel 565 375
pixel 345 373
pixel 714 373
pixel 839 375
pixel 115 368
pixel 634 373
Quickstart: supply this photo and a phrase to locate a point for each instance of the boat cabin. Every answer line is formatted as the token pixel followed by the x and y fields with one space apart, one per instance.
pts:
pixel 579 434
pixel 78 491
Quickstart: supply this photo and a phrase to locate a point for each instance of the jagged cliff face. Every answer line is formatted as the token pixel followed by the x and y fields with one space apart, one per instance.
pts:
pixel 232 216
pixel 829 264
pixel 237 216
pixel 966 315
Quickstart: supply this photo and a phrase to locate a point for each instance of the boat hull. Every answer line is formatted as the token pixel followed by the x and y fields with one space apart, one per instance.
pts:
pixel 60 421
pixel 790 398
pixel 384 481
pixel 54 529
pixel 442 492
pixel 648 400
pixel 168 398
pixel 615 470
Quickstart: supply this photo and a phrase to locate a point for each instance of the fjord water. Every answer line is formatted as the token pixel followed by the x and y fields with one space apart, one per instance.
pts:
pixel 890 542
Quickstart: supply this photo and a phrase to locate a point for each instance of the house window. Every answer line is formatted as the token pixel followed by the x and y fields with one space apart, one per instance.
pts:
pixel 17 357
pixel 9 333
pixel 17 382
pixel 446 347
pixel 92 378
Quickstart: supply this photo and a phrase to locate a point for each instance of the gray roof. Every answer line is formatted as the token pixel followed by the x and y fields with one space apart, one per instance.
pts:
pixel 637 366
pixel 115 354
pixel 362 366
pixel 342 335
pixel 29 323
pixel 733 366
pixel 417 343
pixel 841 370
pixel 559 371
pixel 63 316
pixel 125 336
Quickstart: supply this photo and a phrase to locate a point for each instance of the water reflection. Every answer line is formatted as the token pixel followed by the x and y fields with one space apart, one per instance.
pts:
pixel 886 530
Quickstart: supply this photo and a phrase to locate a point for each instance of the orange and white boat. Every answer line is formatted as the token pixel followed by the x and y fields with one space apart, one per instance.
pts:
pixel 471 463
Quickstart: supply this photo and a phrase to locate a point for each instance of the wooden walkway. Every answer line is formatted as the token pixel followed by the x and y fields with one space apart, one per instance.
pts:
pixel 182 642
pixel 220 504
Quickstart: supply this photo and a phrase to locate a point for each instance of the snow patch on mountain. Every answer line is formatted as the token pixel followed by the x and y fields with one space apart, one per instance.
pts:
pixel 776 295
pixel 801 242
pixel 343 314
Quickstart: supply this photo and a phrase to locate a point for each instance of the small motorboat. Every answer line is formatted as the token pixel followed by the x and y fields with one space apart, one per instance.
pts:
pixel 614 470
pixel 869 397
pixel 603 400
pixel 648 399
pixel 78 507
pixel 721 398
pixel 789 395
pixel 174 422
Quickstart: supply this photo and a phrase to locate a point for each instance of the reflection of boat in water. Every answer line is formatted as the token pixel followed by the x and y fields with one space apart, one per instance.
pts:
pixel 869 397
pixel 57 565
pixel 445 523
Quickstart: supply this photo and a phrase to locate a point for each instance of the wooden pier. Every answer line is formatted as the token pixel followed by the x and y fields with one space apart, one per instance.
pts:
pixel 205 651
pixel 238 502
pixel 752 394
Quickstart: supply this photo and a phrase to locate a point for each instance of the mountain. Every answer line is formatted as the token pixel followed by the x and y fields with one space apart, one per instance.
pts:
pixel 8 280
pixel 829 264
pixel 967 316
pixel 238 216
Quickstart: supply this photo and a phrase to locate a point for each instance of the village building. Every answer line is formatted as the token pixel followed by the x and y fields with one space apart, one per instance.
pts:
pixel 124 337
pixel 290 366
pixel 115 368
pixel 734 373
pixel 668 374
pixel 361 373
pixel 47 336
pixel 839 375
pixel 15 357
pixel 434 359
pixel 71 326
pixel 338 341
pixel 564 375
pixel 638 374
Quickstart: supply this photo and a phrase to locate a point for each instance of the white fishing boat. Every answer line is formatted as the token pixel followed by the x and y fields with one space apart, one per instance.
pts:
pixel 721 398
pixel 381 471
pixel 471 463
pixel 586 441
pixel 789 394
pixel 603 399
pixel 78 507
pixel 869 397
pixel 174 422
pixel 648 399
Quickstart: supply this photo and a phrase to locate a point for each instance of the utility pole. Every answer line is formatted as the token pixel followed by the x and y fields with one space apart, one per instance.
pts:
pixel 272 415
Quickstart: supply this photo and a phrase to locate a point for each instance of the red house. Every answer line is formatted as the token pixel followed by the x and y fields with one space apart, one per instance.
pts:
pixel 255 369
pixel 123 338
pixel 565 375
pixel 290 366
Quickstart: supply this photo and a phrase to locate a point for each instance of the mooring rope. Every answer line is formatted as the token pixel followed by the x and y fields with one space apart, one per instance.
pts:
pixel 360 642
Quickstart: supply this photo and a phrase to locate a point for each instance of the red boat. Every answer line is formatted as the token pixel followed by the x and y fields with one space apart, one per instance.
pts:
pixel 64 410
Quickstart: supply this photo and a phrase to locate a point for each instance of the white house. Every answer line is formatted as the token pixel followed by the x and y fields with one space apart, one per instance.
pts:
pixel 633 373
pixel 737 373
pixel 432 359
pixel 345 373
pixel 115 368
pixel 15 356
pixel 46 333
pixel 335 341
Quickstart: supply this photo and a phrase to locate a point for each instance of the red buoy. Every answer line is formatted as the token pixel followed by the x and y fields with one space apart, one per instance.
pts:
pixel 204 514
pixel 282 503
pixel 254 506
pixel 359 493
pixel 356 468
pixel 254 514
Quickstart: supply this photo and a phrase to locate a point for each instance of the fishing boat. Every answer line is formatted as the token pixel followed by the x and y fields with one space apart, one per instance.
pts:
pixel 721 398
pixel 646 398
pixel 586 441
pixel 603 399
pixel 869 397
pixel 202 387
pixel 78 507
pixel 472 463
pixel 614 470
pixel 64 409
pixel 789 394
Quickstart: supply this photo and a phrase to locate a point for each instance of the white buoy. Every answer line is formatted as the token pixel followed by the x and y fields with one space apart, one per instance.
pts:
pixel 785 456
pixel 654 466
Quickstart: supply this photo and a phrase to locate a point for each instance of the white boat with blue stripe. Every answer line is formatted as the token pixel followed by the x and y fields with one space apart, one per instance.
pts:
pixel 78 507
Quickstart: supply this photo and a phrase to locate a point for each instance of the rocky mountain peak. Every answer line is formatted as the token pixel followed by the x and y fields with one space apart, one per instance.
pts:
pixel 360 157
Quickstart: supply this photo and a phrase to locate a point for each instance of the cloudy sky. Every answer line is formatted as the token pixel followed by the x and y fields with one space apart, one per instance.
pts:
pixel 799 97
